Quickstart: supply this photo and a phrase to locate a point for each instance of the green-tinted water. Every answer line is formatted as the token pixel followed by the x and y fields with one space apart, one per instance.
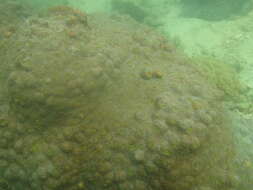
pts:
pixel 126 95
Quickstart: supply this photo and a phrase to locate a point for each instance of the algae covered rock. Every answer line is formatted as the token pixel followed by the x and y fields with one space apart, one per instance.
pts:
pixel 144 11
pixel 82 116
pixel 214 10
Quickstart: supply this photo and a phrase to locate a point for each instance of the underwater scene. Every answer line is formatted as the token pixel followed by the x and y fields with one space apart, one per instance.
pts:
pixel 126 95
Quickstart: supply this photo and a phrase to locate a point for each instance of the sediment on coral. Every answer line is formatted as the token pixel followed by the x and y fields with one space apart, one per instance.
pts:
pixel 99 102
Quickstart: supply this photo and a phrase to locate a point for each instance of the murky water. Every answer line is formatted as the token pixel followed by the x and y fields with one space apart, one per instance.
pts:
pixel 126 95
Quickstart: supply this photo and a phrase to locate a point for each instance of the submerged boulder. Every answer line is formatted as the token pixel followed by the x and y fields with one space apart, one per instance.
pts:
pixel 100 102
